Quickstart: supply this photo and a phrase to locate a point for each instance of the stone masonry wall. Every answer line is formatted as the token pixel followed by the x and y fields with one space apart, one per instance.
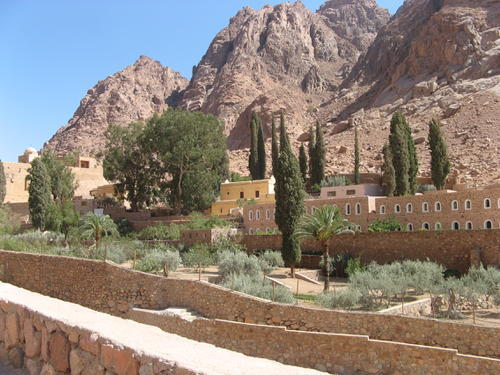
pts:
pixel 108 288
pixel 452 249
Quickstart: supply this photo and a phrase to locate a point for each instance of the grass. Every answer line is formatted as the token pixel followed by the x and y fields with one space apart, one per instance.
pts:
pixel 305 297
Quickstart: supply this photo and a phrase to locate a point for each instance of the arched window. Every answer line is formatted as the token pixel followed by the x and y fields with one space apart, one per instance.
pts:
pixel 425 207
pixel 257 214
pixel 437 206
pixel 358 209
pixel 268 214
pixel 487 203
pixel 410 227
pixel 488 224
pixel 382 209
pixel 268 230
pixel 397 208
pixel 468 225
pixel 437 226
pixel 250 215
pixel 348 209
pixel 426 226
pixel 454 205
pixel 455 225
pixel 409 208
pixel 468 204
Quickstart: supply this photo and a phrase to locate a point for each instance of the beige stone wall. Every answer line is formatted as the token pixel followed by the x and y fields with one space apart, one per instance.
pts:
pixel 116 290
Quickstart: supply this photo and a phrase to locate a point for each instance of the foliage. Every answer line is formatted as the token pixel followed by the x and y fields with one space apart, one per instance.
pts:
pixel 236 177
pixel 3 183
pixel 159 260
pixel 412 159
pixel 253 160
pixel 274 258
pixel 190 147
pixel 357 178
pixel 200 221
pixel 275 153
pixel 353 266
pixel 199 257
pixel 261 152
pixel 160 232
pixel 389 224
pixel 95 226
pixel 344 299
pixel 62 217
pixel 337 264
pixel 62 180
pixel 8 224
pixel 337 180
pixel 237 263
pixel 258 287
pixel 398 143
pixel 311 150
pixel 124 227
pixel 108 202
pixel 39 193
pixel 440 164
pixel 319 154
pixel 303 162
pixel 289 195
pixel 389 174
pixel 226 243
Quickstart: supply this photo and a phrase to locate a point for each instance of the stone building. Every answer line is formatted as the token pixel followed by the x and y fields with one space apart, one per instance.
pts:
pixel 433 210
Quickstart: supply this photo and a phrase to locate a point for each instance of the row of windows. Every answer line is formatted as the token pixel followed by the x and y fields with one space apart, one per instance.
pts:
pixel 257 214
pixel 242 194
pixel 437 206
pixel 488 224
pixel 267 230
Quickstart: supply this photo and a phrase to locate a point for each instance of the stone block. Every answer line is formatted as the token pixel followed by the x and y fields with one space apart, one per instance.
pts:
pixel 2 326
pixel 12 330
pixel 44 350
pixel 32 339
pixel 84 363
pixel 121 361
pixel 89 343
pixel 59 348
pixel 33 365
pixel 16 357
pixel 47 369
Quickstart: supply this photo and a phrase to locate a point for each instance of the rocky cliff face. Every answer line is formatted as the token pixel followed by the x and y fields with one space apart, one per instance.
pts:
pixel 133 94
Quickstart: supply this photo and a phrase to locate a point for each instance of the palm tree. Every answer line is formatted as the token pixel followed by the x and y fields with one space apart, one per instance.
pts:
pixel 96 226
pixel 323 224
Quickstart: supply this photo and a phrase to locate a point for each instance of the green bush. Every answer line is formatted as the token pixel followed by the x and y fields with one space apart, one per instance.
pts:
pixel 354 265
pixel 199 257
pixel 425 187
pixel 386 225
pixel 344 299
pixel 332 181
pixel 8 223
pixel 200 221
pixel 124 226
pixel 238 263
pixel 258 287
pixel 157 260
pixel 338 264
pixel 274 258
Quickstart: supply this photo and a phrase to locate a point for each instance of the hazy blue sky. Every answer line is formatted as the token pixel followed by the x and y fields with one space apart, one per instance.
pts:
pixel 52 52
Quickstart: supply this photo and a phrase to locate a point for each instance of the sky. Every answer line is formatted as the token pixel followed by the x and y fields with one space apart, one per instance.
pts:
pixel 53 51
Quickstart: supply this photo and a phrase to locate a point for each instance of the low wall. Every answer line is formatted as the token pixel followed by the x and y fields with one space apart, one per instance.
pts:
pixel 113 289
pixel 452 249
pixel 48 336
pixel 338 353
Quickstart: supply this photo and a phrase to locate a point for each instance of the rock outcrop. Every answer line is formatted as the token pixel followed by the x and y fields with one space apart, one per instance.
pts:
pixel 133 94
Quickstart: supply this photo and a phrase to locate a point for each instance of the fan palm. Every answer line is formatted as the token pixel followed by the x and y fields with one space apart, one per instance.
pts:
pixel 323 224
pixel 96 226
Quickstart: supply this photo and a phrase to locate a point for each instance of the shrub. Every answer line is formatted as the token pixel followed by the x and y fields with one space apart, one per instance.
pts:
pixel 451 273
pixel 199 257
pixel 331 181
pixel 238 263
pixel 199 221
pixel 354 265
pixel 160 232
pixel 338 264
pixel 385 225
pixel 226 243
pixel 158 260
pixel 8 224
pixel 344 299
pixel 124 227
pixel 425 187
pixel 257 287
pixel 274 258
pixel 114 252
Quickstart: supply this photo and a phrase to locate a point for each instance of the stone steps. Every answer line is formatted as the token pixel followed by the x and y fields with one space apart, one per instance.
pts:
pixel 179 312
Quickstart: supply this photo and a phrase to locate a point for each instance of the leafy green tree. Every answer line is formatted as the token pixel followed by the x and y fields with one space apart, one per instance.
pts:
pixel 191 148
pixel 440 164
pixel 3 182
pixel 261 152
pixel 199 257
pixel 323 225
pixel 62 180
pixel 318 163
pixel 39 193
pixel 385 225
pixel 356 157
pixel 128 163
pixel 311 149
pixel 412 159
pixel 389 175
pixel 62 217
pixel 398 143
pixel 289 190
pixel 275 152
pixel 96 227
pixel 253 160
pixel 303 162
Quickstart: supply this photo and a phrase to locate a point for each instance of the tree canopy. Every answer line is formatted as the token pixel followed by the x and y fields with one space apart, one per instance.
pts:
pixel 440 164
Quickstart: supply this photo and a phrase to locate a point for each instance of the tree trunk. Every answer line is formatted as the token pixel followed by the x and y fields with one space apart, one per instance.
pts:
pixel 178 196
pixel 327 266
pixel 292 270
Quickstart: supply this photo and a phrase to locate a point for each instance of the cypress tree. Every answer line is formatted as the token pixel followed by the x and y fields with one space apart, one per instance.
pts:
pixel 303 162
pixel 261 152
pixel 318 171
pixel 310 150
pixel 284 140
pixel 275 152
pixel 398 143
pixel 39 199
pixel 356 157
pixel 253 160
pixel 3 183
pixel 412 159
pixel 440 164
pixel 389 178
pixel 289 191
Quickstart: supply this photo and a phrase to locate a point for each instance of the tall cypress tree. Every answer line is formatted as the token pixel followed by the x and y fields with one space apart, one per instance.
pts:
pixel 39 194
pixel 356 157
pixel 412 159
pixel 275 151
pixel 311 149
pixel 440 164
pixel 3 183
pixel 253 160
pixel 303 162
pixel 389 177
pixel 318 171
pixel 398 143
pixel 289 191
pixel 261 152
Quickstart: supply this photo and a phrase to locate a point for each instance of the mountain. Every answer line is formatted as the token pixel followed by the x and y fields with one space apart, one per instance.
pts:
pixel 133 94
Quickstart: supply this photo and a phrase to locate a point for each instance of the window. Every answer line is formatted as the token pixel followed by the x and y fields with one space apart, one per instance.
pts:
pixel 257 214
pixel 468 204
pixel 426 226
pixel 84 164
pixel 358 209
pixel 242 194
pixel 454 205
pixel 397 208
pixel 410 227
pixel 455 225
pixel 250 215
pixel 351 192
pixel 425 207
pixel 409 208
pixel 437 206
pixel 437 226
pixel 487 203
pixel 83 204
pixel 268 230
pixel 382 209
pixel 221 210
pixel 488 224
pixel 468 225
pixel 331 193
pixel 268 214
pixel 257 194
pixel 348 209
